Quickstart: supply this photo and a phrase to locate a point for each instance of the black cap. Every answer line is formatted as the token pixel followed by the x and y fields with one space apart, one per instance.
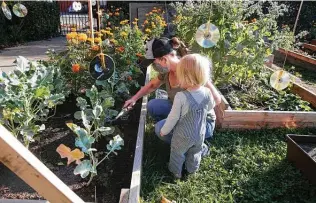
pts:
pixel 156 48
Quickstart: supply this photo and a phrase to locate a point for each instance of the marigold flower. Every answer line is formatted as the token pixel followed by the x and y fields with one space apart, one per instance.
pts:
pixel 113 41
pixel 108 28
pixel 123 22
pixel 110 14
pixel 117 9
pixel 95 48
pixel 136 19
pixel 129 78
pixel 146 22
pixel 97 40
pixel 73 29
pixel 120 49
pixel 148 30
pixel 90 40
pixel 139 55
pixel 82 37
pixel 134 23
pixel 75 68
pixel 116 13
pixel 123 34
pixel 150 13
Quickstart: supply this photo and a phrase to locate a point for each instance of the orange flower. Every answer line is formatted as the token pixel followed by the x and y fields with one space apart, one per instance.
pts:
pixel 139 55
pixel 129 78
pixel 95 48
pixel 73 29
pixel 120 49
pixel 75 68
pixel 82 37
pixel 116 13
pixel 110 14
pixel 254 20
pixel 145 22
pixel 117 9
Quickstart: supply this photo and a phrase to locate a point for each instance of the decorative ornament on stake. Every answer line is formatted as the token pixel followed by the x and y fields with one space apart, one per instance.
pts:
pixel 102 67
pixel 280 80
pixel 207 35
pixel 76 6
pixel 6 10
pixel 19 10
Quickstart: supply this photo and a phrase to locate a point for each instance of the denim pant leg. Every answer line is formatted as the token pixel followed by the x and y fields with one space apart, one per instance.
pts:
pixel 210 125
pixel 166 138
pixel 159 109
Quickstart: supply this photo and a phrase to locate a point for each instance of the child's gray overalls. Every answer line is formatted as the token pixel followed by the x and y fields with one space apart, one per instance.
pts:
pixel 188 137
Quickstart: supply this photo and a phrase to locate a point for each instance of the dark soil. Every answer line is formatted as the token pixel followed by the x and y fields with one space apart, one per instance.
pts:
pixel 309 148
pixel 113 174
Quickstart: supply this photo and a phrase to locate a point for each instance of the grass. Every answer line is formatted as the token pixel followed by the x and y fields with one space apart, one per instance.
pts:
pixel 244 166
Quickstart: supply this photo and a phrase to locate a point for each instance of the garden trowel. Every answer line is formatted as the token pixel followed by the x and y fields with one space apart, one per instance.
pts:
pixel 122 113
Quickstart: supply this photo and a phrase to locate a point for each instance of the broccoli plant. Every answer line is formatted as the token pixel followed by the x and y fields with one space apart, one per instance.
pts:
pixel 27 96
pixel 94 117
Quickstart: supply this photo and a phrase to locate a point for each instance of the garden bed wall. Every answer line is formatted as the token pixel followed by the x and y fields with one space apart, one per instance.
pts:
pixel 132 194
pixel 253 119
pixel 296 58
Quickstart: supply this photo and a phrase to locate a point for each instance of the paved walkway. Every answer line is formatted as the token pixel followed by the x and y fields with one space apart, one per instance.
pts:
pixel 31 50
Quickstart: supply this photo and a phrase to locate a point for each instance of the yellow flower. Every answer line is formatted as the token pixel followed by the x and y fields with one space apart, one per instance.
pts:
pixel 113 41
pixel 152 23
pixel 154 11
pixel 97 40
pixel 150 13
pixel 134 23
pixel 108 28
pixel 153 26
pixel 90 40
pixel 136 19
pixel 73 29
pixel 99 35
pixel 124 22
pixel 116 28
pixel 145 22
pixel 123 34
pixel 82 37
pixel 148 30
pixel 110 33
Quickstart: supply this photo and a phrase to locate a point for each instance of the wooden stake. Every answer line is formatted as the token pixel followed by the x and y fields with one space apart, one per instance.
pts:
pixel 25 165
pixel 91 20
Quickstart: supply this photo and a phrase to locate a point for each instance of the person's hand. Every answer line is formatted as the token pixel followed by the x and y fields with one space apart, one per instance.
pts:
pixel 161 134
pixel 129 103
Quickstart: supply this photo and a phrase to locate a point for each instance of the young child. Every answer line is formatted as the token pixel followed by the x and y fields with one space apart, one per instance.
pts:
pixel 187 118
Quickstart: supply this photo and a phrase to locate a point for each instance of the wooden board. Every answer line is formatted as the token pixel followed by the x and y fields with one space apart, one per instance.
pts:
pixel 124 195
pixel 32 171
pixel 309 46
pixel 296 59
pixel 313 41
pixel 134 190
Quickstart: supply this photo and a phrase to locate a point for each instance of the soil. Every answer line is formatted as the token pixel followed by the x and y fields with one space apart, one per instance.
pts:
pixel 113 174
pixel 309 148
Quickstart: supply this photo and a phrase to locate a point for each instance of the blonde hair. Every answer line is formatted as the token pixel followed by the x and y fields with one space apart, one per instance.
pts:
pixel 193 69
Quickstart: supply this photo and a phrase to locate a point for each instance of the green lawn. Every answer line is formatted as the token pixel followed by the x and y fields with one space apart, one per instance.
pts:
pixel 244 166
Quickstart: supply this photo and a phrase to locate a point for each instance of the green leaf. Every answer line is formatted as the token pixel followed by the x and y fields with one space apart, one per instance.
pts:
pixel 83 168
pixel 108 102
pixel 82 103
pixel 106 130
pixel 42 92
pixel 77 130
pixel 22 64
pixel 84 142
pixel 97 111
pixel 77 115
pixel 115 144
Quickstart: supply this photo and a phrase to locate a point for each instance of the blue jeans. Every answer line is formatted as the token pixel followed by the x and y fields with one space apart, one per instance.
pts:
pixel 159 109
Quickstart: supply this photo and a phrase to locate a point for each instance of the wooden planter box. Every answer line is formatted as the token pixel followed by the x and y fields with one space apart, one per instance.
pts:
pixel 31 170
pixel 296 59
pixel 256 119
pixel 313 41
pixel 309 46
pixel 301 150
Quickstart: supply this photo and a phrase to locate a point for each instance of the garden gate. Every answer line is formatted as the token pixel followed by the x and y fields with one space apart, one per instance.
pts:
pixel 69 17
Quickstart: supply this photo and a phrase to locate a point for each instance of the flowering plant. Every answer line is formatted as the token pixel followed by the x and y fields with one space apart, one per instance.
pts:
pixel 154 25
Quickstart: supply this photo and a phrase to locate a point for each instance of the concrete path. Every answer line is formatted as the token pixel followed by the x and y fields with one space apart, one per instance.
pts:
pixel 31 50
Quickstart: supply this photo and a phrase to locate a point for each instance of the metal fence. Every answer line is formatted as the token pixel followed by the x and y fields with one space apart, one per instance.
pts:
pixel 70 18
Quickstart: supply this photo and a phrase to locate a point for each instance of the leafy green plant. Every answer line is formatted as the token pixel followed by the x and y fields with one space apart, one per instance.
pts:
pixel 261 96
pixel 94 117
pixel 241 49
pixel 27 95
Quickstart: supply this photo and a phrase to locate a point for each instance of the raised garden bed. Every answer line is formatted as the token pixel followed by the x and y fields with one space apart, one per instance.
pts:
pixel 227 117
pixel 301 150
pixel 296 58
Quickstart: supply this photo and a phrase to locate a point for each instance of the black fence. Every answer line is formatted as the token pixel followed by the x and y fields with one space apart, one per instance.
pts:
pixel 71 16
